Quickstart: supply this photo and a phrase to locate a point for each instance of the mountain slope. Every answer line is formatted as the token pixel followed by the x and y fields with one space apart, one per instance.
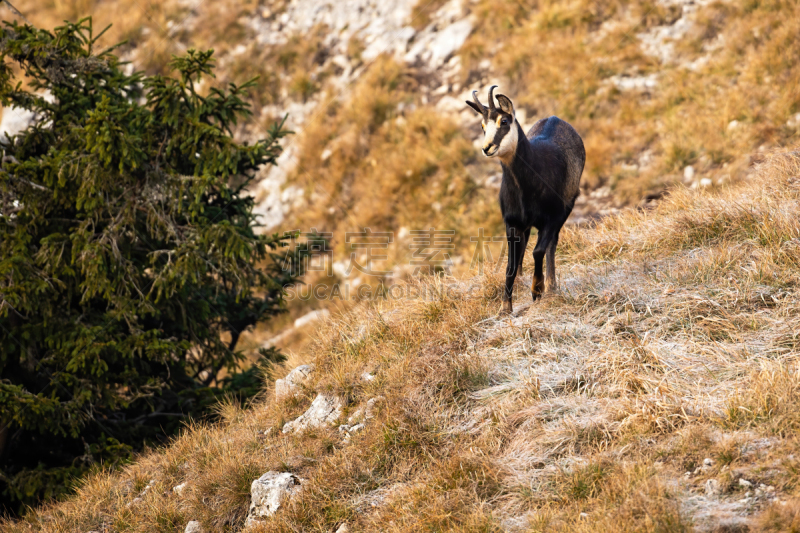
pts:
pixel 663 92
pixel 657 392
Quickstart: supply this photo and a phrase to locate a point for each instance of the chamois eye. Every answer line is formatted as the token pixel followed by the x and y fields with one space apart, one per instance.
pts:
pixel 504 122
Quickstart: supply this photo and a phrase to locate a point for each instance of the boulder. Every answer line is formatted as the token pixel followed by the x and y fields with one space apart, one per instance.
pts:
pixel 324 410
pixel 267 493
pixel 289 385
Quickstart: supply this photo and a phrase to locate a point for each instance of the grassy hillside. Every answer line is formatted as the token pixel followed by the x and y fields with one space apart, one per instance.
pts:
pixel 674 338
pixel 664 92
pixel 657 392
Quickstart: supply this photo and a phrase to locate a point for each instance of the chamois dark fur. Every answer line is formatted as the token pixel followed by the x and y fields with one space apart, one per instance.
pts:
pixel 541 180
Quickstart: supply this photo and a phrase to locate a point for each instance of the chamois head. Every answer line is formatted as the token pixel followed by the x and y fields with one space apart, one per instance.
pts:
pixel 499 125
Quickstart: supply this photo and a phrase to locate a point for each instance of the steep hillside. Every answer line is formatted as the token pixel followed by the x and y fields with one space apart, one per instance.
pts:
pixel 663 92
pixel 657 392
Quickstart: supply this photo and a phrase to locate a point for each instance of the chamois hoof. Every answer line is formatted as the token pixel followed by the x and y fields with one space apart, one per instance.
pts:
pixel 537 290
pixel 506 309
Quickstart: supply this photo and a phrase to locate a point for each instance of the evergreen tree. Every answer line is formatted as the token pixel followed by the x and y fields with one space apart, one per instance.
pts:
pixel 129 264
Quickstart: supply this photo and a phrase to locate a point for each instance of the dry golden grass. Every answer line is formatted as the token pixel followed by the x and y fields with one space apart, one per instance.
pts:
pixel 674 338
pixel 397 162
pixel 552 57
pixel 667 363
pixel 685 119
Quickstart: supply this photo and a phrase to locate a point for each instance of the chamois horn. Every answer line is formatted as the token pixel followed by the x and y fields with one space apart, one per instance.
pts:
pixel 475 97
pixel 491 97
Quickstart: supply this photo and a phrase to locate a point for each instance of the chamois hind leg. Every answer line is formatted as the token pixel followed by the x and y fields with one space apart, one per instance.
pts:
pixel 546 237
pixel 550 283
pixel 516 250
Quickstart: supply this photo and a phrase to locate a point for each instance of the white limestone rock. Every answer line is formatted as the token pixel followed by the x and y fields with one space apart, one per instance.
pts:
pixel 712 487
pixel 267 493
pixel 193 527
pixel 15 120
pixel 289 385
pixel 324 410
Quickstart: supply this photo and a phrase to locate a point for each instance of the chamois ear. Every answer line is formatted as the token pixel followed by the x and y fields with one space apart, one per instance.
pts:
pixel 475 107
pixel 505 104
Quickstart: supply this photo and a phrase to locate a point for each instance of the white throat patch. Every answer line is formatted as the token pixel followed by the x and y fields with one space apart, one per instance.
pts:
pixel 508 145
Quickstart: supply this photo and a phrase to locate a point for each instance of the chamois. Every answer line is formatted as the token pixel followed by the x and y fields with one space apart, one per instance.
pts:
pixel 541 180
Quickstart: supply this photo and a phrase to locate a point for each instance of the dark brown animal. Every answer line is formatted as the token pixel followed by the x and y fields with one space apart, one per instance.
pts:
pixel 541 180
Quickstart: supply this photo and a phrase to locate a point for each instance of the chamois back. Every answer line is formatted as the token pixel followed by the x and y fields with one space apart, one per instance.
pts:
pixel 563 135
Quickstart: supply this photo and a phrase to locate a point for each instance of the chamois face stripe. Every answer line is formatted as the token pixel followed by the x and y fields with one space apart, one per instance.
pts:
pixel 499 139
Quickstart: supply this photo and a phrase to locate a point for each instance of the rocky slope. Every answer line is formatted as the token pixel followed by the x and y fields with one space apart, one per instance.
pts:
pixel 664 92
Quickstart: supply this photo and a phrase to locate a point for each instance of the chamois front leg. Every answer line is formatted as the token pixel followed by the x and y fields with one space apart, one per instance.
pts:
pixel 516 251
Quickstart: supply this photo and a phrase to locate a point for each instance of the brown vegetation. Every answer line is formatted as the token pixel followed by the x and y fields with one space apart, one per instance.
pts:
pixel 667 365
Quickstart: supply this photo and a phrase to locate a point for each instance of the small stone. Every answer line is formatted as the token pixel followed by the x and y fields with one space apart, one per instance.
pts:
pixel 688 173
pixel 177 489
pixel 733 124
pixel 744 483
pixel 289 385
pixel 708 462
pixel 193 527
pixel 343 529
pixel 366 376
pixel 583 516
pixel 705 182
pixel 712 487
